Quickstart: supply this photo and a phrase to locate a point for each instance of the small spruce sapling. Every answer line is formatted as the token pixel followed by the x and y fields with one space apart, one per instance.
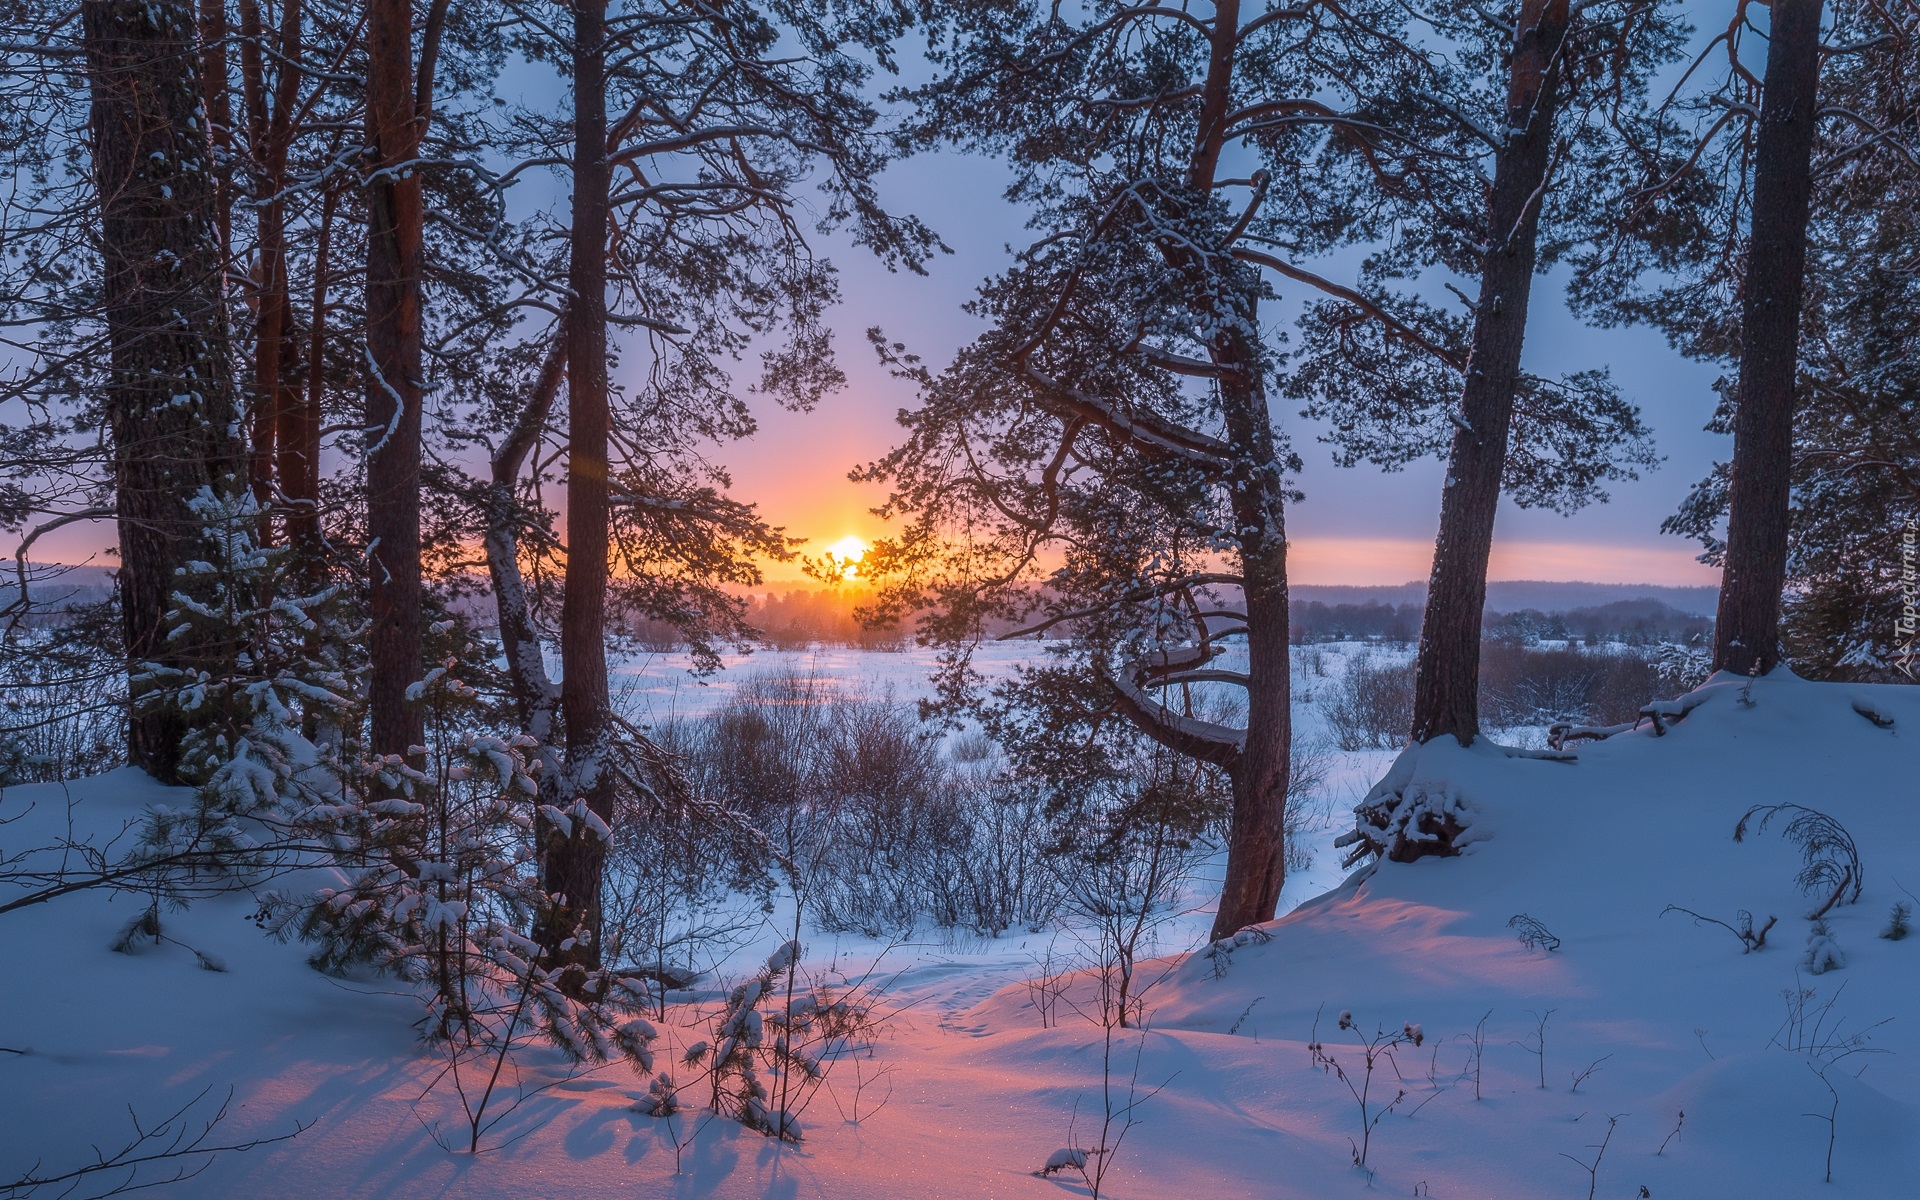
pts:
pixel 267 669
pixel 1897 922
pixel 775 1040
pixel 1823 950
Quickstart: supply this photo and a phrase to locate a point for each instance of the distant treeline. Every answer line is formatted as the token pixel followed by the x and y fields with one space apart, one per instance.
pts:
pixel 1633 622
pixel 1315 621
pixel 791 620
pixel 801 617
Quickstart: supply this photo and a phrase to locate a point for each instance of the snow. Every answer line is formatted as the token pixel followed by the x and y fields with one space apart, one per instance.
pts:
pixel 660 687
pixel 966 1095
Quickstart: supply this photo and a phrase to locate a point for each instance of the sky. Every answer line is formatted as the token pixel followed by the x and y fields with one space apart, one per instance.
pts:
pixel 1356 526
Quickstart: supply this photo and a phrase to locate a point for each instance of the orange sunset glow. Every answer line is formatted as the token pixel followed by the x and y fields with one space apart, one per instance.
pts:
pixel 846 555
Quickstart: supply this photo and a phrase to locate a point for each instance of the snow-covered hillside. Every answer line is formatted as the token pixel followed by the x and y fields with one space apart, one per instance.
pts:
pixel 967 1095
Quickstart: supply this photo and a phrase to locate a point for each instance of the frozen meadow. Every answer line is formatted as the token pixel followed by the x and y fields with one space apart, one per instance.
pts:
pixel 1404 1013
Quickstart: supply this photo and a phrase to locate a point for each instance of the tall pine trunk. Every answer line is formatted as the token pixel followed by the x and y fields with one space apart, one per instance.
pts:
pixel 169 397
pixel 1747 634
pixel 277 396
pixel 299 433
pixel 219 111
pixel 1256 837
pixel 1256 844
pixel 394 385
pixel 574 864
pixel 1447 674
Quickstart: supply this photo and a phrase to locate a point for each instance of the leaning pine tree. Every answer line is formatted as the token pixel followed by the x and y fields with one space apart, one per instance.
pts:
pixel 1103 463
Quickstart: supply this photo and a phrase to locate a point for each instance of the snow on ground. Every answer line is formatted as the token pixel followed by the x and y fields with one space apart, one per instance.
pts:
pixel 966 1094
pixel 659 686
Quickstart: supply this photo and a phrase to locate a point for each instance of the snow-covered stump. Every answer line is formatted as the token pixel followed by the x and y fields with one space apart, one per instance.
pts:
pixel 1404 818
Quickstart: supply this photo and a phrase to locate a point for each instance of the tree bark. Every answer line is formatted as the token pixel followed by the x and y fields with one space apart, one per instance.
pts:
pixel 169 396
pixel 395 236
pixel 218 106
pixel 1747 633
pixel 1447 674
pixel 276 395
pixel 536 699
pixel 574 864
pixel 1256 838
pixel 1256 844
pixel 299 432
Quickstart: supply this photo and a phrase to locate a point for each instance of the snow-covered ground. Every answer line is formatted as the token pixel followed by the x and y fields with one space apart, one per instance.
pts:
pixel 966 1094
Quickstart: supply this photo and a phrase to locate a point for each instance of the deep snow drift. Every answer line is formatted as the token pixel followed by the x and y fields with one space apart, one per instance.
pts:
pixel 967 1095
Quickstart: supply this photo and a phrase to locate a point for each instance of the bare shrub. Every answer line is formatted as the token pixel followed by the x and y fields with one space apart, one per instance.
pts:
pixel 1524 685
pixel 1309 805
pixel 879 830
pixel 62 695
pixel 888 811
pixel 1371 705
pixel 999 879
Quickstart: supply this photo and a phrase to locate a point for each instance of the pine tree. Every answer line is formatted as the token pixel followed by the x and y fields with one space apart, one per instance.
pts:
pixel 1115 420
pixel 168 392
pixel 703 261
pixel 1511 116
pixel 1797 287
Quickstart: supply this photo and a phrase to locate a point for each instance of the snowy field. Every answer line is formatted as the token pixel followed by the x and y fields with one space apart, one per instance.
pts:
pixel 1539 1072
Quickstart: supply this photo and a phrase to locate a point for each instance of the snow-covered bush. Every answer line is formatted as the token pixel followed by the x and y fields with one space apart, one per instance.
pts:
pixel 1823 950
pixel 442 885
pixel 774 1041
pixel 62 676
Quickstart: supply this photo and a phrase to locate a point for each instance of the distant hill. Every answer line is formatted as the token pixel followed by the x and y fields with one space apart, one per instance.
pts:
pixel 1516 595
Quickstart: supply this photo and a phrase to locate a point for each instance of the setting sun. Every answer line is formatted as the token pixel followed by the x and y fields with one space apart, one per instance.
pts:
pixel 846 554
